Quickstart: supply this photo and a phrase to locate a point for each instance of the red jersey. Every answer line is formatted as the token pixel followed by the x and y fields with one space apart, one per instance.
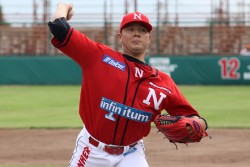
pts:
pixel 120 95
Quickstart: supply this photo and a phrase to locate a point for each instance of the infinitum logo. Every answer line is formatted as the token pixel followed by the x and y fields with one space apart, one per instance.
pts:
pixel 113 62
pixel 124 111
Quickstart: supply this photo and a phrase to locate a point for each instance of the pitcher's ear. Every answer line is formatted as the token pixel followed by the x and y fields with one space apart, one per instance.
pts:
pixel 119 35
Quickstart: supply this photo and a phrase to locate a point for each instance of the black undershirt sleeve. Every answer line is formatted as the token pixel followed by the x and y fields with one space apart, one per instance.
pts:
pixel 59 28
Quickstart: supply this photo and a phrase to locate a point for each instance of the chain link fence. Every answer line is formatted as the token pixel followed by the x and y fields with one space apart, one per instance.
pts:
pixel 182 31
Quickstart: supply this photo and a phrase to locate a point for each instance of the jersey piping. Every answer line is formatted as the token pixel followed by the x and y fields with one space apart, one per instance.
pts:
pixel 137 88
pixel 124 101
pixel 125 129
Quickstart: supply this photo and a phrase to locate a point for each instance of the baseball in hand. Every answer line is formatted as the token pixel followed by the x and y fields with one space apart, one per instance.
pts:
pixel 70 14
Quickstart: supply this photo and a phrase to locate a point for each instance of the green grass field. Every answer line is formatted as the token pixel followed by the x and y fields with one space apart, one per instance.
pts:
pixel 57 106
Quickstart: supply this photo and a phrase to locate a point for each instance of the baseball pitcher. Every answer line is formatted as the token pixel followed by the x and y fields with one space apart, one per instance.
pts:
pixel 121 95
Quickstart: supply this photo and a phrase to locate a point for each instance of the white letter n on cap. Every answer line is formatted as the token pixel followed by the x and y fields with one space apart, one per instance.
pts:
pixel 137 16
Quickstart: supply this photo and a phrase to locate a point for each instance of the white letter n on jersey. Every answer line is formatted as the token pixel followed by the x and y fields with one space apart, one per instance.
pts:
pixel 138 72
pixel 153 95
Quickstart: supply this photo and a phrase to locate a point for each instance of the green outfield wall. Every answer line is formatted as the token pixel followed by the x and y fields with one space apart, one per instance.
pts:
pixel 39 70
pixel 192 70
pixel 205 70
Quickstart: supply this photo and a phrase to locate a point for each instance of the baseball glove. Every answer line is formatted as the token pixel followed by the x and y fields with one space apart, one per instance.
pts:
pixel 175 128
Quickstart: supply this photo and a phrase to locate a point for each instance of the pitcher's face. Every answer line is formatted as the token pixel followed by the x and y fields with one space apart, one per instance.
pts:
pixel 135 39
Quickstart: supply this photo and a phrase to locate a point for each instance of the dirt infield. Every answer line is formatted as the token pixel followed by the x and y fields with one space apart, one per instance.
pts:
pixel 53 147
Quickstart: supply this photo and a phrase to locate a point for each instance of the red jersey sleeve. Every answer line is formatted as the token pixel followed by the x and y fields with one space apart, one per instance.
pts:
pixel 177 103
pixel 79 47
